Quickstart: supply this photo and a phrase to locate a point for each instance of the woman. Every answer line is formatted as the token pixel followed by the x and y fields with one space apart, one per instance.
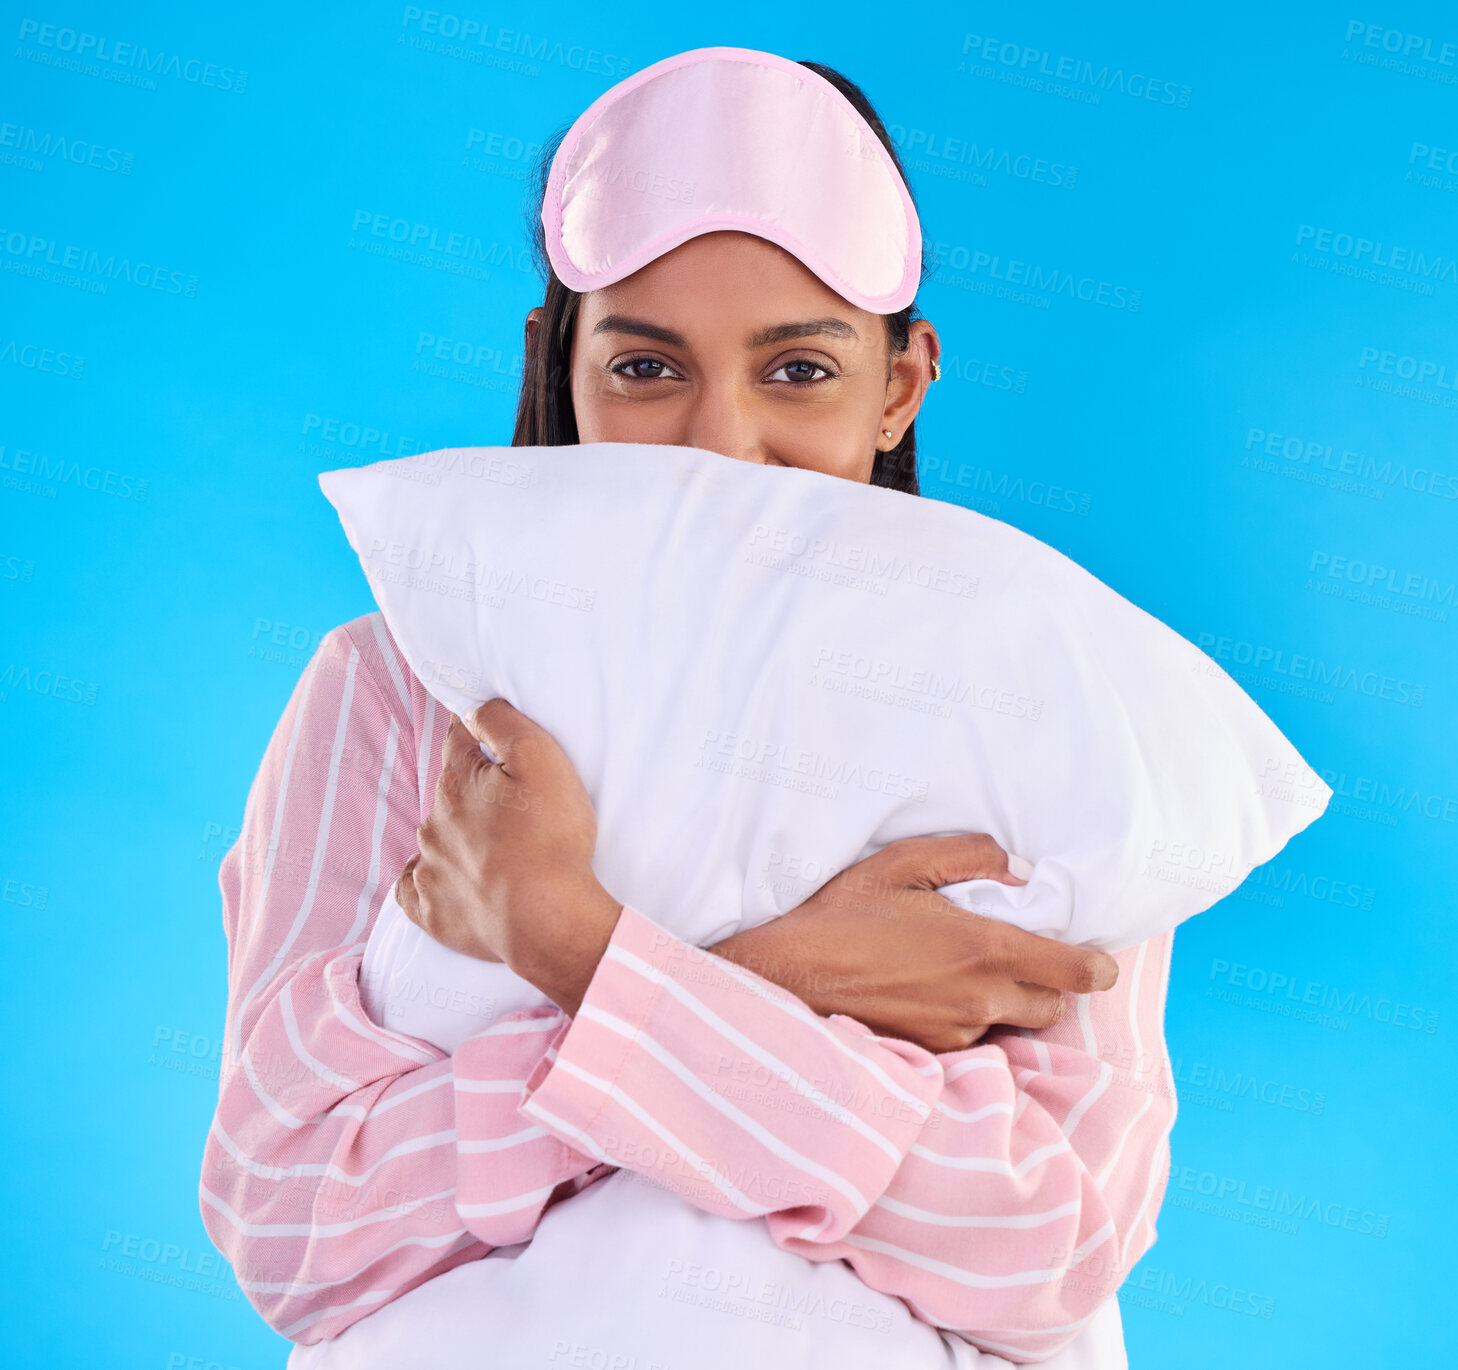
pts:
pixel 1000 1145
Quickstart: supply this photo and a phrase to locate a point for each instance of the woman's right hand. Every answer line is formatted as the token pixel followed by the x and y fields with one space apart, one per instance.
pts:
pixel 879 944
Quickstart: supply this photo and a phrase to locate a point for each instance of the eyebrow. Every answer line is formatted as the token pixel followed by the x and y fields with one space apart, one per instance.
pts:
pixel 782 332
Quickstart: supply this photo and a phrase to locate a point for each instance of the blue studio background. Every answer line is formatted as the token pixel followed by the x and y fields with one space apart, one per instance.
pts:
pixel 1199 272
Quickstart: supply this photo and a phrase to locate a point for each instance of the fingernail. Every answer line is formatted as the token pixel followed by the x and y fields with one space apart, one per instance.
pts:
pixel 1020 869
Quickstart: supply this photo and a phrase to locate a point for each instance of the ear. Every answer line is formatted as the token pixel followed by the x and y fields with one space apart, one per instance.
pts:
pixel 533 319
pixel 911 377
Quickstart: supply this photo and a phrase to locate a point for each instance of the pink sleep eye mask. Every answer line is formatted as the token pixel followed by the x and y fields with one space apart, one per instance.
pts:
pixel 731 138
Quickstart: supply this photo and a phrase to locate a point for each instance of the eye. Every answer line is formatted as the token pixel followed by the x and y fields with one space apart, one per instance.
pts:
pixel 627 371
pixel 801 365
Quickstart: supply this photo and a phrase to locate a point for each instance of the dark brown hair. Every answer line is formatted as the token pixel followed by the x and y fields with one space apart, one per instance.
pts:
pixel 544 413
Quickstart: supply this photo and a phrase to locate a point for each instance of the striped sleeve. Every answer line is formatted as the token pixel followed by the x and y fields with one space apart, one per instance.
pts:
pixel 1002 1192
pixel 347 1164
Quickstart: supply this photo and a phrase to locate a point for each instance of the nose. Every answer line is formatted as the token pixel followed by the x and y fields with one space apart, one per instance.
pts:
pixel 722 420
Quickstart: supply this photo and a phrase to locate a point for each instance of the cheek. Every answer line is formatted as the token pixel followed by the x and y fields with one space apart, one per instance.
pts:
pixel 600 418
pixel 837 439
pixel 607 412
pixel 593 409
pixel 582 396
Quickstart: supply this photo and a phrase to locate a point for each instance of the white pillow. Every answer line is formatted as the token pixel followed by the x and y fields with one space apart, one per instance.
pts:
pixel 764 674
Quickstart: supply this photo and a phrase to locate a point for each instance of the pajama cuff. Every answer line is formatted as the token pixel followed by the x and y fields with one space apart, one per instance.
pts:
pixel 574 1079
pixel 500 1188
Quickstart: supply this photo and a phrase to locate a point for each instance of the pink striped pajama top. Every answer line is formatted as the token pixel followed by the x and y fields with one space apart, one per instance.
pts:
pixel 1001 1192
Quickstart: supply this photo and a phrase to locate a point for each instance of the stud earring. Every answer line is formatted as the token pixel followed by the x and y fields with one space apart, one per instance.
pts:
pixel 886 431
pixel 936 370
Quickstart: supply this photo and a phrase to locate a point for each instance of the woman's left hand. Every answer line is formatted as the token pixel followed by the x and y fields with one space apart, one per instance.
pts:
pixel 504 871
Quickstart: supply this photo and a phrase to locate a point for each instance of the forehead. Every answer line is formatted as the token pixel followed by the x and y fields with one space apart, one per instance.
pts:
pixel 725 278
pixel 725 264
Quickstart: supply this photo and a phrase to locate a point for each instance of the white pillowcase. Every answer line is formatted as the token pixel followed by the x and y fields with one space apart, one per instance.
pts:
pixel 892 666
pixel 764 674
